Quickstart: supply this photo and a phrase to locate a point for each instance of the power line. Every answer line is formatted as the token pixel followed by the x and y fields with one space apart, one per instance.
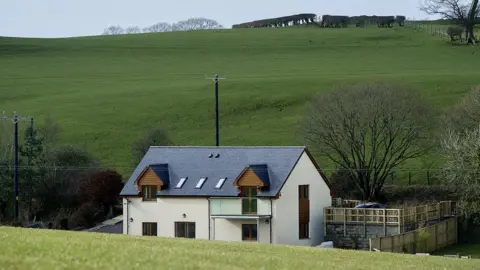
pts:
pixel 15 118
pixel 217 121
pixel 76 168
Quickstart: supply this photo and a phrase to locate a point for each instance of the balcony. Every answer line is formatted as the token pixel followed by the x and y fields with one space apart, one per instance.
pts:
pixel 240 207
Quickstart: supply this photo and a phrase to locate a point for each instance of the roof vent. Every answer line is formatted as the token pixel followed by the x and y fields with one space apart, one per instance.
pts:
pixel 217 155
pixel 211 155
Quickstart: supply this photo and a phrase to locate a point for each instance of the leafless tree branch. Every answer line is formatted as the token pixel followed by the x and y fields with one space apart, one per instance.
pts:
pixel 367 130
pixel 464 12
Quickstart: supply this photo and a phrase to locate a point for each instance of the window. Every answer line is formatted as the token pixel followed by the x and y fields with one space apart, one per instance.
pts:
pixel 149 228
pixel 303 212
pixel 304 231
pixel 200 183
pixel 249 232
pixel 181 182
pixel 303 192
pixel 220 182
pixel 249 200
pixel 185 229
pixel 149 193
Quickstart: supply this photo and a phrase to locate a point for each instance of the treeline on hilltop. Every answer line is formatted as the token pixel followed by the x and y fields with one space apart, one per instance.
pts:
pixel 185 25
pixel 327 21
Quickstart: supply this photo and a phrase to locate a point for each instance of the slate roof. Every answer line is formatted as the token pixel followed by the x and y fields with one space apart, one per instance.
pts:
pixel 161 170
pixel 198 162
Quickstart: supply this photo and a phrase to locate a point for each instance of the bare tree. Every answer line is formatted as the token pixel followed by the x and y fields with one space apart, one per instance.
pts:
pixel 158 28
pixel 367 130
pixel 464 12
pixel 154 137
pixel 465 114
pixel 132 30
pixel 113 30
pixel 50 132
pixel 462 169
pixel 196 24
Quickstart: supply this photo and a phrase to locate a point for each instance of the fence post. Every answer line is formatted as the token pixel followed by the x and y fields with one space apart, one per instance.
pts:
pixel 364 223
pixel 384 222
pixel 438 211
pixel 324 222
pixel 415 217
pixel 455 223
pixel 447 241
pixel 400 221
pixel 391 243
pixel 345 222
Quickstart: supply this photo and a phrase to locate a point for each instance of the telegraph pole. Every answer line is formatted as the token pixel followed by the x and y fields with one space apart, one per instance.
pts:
pixel 217 120
pixel 15 120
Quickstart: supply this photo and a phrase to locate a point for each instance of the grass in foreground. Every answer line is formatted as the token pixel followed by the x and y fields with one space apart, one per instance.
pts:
pixel 47 250
pixel 462 249
pixel 107 91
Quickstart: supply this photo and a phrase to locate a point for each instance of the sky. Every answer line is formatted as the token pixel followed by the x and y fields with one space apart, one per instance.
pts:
pixel 68 18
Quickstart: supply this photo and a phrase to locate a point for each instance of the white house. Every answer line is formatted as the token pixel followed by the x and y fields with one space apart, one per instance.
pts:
pixel 265 194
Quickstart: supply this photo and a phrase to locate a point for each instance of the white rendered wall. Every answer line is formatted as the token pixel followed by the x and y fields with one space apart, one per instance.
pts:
pixel 167 211
pixel 285 209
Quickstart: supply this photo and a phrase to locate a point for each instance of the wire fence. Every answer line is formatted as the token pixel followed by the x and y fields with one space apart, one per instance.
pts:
pixel 439 30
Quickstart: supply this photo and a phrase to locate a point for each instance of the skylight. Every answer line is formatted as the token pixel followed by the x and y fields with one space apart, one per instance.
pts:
pixel 181 182
pixel 220 182
pixel 200 183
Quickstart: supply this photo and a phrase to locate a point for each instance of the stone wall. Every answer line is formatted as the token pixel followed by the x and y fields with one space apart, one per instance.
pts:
pixel 357 235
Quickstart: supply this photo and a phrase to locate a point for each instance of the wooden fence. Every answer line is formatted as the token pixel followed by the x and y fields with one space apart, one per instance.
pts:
pixel 426 239
pixel 406 219
pixel 339 202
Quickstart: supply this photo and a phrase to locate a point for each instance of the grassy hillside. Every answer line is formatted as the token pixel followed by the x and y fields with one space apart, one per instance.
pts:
pixel 42 249
pixel 108 91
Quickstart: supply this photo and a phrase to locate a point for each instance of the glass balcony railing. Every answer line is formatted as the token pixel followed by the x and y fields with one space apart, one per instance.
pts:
pixel 240 207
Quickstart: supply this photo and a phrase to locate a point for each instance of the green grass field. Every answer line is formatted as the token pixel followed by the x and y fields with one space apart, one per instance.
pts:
pixel 49 249
pixel 108 91
pixel 462 249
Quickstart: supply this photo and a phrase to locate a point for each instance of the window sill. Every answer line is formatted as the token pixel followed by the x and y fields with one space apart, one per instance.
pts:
pixel 304 238
pixel 155 200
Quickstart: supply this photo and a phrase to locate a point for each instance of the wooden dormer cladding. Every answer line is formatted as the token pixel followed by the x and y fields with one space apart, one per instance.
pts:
pixel 154 175
pixel 253 176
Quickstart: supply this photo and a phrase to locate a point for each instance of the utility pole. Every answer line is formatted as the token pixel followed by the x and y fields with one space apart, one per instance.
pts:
pixel 217 120
pixel 15 120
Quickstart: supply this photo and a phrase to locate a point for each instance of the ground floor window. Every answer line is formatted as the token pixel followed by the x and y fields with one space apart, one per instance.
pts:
pixel 149 228
pixel 304 230
pixel 249 232
pixel 185 229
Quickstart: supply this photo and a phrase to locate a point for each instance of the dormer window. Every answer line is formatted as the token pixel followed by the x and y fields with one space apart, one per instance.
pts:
pixel 149 193
pixel 253 176
pixel 153 179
